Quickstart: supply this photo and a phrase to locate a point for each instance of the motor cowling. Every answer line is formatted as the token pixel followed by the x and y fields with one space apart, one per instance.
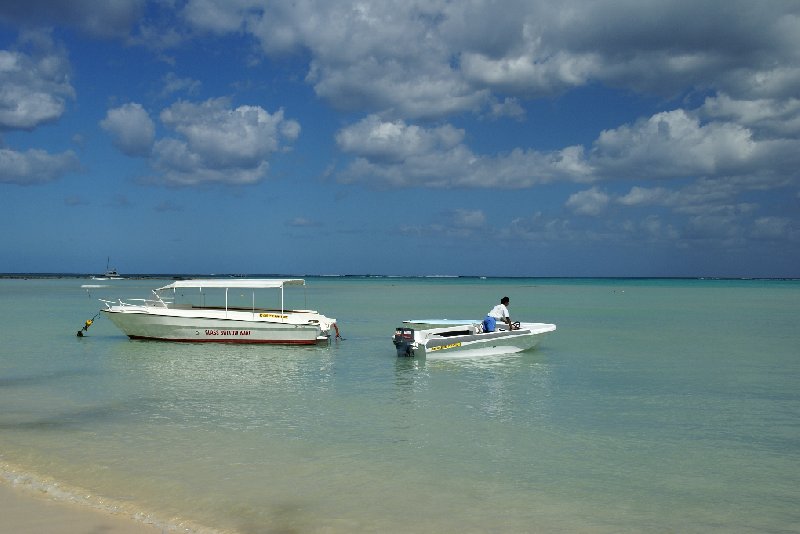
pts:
pixel 404 341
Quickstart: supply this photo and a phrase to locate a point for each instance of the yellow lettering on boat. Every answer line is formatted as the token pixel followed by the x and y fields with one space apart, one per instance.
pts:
pixel 450 346
pixel 273 316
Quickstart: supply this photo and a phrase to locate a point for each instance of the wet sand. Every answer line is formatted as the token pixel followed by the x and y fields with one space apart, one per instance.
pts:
pixel 26 512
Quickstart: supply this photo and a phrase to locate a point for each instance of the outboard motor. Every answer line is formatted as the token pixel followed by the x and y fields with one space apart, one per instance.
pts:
pixel 403 341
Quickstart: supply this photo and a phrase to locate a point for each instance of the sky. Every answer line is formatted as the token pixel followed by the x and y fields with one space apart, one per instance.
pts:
pixel 479 138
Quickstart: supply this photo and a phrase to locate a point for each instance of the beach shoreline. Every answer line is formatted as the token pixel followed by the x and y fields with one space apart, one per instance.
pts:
pixel 25 510
pixel 30 502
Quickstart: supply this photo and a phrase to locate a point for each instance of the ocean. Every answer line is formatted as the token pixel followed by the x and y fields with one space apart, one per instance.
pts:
pixel 656 406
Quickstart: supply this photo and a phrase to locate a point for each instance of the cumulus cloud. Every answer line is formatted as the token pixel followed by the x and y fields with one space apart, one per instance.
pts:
pixel 589 202
pixel 394 141
pixel 643 196
pixel 438 58
pixel 131 128
pixel 34 82
pixel 708 209
pixel 219 144
pixel 398 154
pixel 668 145
pixel 706 172
pixel 528 75
pixel 35 166
pixel 509 107
pixel 769 117
pixel 374 56
pixel 674 144
pixel 217 17
pixel 434 59
pixel 703 196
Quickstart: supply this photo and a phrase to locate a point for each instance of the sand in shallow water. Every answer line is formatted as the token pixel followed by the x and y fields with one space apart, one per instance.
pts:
pixel 25 512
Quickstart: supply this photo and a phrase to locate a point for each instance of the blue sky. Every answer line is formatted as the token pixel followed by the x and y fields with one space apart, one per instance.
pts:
pixel 530 138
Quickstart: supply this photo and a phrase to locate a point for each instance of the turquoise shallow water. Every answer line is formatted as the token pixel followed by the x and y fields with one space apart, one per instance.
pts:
pixel 657 406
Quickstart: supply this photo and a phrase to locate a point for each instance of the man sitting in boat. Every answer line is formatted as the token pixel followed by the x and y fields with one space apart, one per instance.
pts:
pixel 498 313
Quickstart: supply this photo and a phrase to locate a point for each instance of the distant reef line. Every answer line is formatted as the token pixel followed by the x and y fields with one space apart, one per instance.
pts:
pixel 184 276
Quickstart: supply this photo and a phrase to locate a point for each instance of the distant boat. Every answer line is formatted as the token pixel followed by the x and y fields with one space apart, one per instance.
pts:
pixel 110 274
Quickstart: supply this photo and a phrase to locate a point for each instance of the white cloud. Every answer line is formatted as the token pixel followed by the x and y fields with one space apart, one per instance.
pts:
pixel 387 57
pixel 218 144
pixel 35 166
pixel 721 159
pixel 398 154
pixel 394 141
pixel 773 117
pixel 702 197
pixel 642 196
pixel 509 107
pixel 673 144
pixel 588 202
pixel 215 16
pixel 436 58
pixel 34 85
pixel 132 129
pixel 528 74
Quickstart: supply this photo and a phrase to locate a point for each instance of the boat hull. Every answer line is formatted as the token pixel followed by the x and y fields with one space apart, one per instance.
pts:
pixel 213 330
pixel 432 344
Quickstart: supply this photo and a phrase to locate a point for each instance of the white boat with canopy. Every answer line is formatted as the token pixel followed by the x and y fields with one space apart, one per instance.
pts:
pixel 449 338
pixel 220 310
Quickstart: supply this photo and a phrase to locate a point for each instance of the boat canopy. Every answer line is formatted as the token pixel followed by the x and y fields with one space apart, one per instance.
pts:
pixel 236 283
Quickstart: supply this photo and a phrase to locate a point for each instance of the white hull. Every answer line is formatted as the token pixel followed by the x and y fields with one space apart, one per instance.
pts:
pixel 468 341
pixel 210 329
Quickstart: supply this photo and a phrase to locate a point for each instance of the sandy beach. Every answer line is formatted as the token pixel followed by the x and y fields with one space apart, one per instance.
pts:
pixel 24 511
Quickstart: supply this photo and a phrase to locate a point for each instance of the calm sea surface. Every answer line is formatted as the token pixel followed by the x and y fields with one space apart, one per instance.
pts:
pixel 657 406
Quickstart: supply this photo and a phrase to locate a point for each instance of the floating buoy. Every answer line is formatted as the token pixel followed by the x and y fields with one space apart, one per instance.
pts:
pixel 86 325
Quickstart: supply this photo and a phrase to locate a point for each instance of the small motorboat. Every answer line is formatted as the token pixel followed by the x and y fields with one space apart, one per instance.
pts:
pixel 449 338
